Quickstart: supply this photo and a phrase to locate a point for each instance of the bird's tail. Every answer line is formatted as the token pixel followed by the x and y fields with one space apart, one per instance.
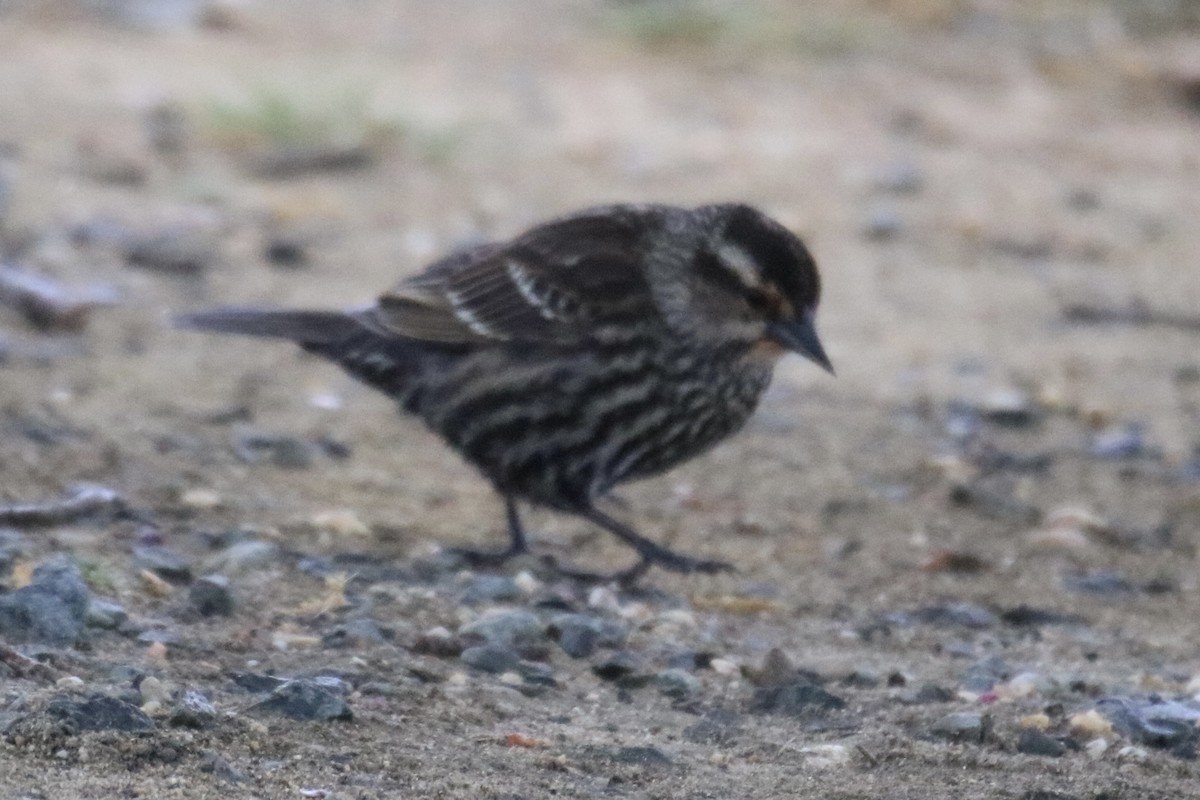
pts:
pixel 388 363
pixel 303 327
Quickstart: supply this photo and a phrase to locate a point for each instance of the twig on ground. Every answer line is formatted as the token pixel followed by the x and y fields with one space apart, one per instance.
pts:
pixel 84 501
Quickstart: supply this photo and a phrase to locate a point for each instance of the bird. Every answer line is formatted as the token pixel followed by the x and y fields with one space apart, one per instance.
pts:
pixel 600 347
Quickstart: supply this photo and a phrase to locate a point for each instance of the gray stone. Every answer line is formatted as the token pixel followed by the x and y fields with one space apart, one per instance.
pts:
pixel 899 177
pixel 164 562
pixel 245 556
pixel 100 713
pixel 50 610
pixel 307 699
pixel 1036 743
pixel 491 589
pixel 491 658
pixel 926 693
pixel 105 614
pixel 961 726
pixel 678 684
pixel 580 634
pixel 513 629
pixel 883 222
pixel 624 668
pixel 800 698
pixel 194 710
pixel 210 596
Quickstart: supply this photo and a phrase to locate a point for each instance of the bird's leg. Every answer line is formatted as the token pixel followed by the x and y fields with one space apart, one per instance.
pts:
pixel 651 553
pixel 518 543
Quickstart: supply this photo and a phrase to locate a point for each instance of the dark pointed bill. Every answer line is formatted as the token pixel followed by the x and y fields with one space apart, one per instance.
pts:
pixel 800 336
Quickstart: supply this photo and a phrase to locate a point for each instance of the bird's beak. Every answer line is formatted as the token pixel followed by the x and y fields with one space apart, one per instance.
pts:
pixel 800 336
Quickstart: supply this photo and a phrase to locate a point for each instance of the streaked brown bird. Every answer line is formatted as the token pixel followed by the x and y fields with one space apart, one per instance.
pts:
pixel 593 349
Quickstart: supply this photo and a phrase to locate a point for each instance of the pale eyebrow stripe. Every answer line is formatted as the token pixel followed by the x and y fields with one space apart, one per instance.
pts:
pixel 741 263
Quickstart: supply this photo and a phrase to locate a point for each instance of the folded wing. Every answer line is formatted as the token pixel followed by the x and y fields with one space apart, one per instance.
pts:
pixel 551 284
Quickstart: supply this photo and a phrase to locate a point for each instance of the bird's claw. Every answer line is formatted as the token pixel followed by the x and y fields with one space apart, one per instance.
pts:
pixel 662 558
pixel 485 558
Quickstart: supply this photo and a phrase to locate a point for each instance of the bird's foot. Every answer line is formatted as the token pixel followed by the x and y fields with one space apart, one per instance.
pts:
pixel 486 558
pixel 656 556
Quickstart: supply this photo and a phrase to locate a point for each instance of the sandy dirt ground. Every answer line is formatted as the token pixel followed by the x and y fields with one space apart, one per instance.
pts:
pixel 988 520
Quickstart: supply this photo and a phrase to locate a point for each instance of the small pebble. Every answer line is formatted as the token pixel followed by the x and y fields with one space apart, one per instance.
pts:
pixel 308 699
pixel 962 726
pixel 899 177
pixel 1037 722
pixel 152 690
pixel 491 589
pixel 580 634
pixel 966 614
pixel 340 522
pixel 194 710
pixel 1096 748
pixel 284 250
pixel 725 667
pixel 285 452
pixel 1156 721
pixel 1131 753
pixel 1060 539
pixel 926 693
pixel 534 673
pixel 163 562
pixel 257 683
pixel 776 670
pixel 983 675
pixel 156 654
pixel 861 679
pixel 100 713
pixel 619 667
pixel 210 596
pixel 1022 685
pixel 491 658
pixel 527 583
pixel 185 250
pixel 1089 725
pixel 1107 583
pixel 1035 743
pixel 671 625
pixel 1010 407
pixel 717 726
pixel 51 609
pixel 245 556
pixel 356 632
pixel 1119 441
pixel 801 698
pixel 882 223
pixel 601 598
pixel 825 756
pixel 105 614
pixel 154 585
pixel 438 642
pixel 678 684
pixel 513 629
pixel 200 499
pixel 288 638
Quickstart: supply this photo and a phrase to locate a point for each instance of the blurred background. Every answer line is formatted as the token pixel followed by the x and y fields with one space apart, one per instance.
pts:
pixel 965 170
pixel 981 182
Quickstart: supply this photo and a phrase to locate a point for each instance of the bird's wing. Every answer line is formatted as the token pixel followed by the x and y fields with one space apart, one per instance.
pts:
pixel 550 284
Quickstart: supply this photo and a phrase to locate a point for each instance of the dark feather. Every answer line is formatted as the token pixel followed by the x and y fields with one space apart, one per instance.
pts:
pixel 307 327
pixel 547 285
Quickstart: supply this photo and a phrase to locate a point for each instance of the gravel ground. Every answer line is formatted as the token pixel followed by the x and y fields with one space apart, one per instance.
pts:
pixel 967 567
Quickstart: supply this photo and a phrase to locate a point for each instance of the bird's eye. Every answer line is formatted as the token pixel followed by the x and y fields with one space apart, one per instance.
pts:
pixel 760 302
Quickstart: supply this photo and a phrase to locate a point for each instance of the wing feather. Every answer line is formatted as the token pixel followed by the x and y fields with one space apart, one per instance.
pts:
pixel 550 284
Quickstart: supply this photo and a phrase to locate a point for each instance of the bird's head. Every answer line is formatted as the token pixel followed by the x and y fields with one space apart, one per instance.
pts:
pixel 751 281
